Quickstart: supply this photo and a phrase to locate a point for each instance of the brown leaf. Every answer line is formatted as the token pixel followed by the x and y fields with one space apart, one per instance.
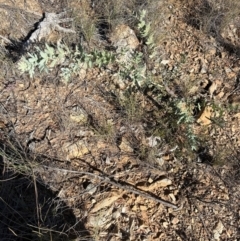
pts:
pixel 204 119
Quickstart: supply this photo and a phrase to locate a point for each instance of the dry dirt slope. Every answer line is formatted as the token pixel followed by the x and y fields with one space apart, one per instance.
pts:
pixel 97 163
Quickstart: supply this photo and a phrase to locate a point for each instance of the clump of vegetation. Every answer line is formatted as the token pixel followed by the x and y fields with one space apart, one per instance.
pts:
pixel 70 61
pixel 135 71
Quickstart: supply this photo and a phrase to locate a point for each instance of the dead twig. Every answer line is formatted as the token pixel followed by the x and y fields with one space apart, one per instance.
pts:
pixel 113 182
pixel 6 39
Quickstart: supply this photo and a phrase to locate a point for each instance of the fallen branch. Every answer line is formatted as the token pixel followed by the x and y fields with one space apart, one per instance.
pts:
pixel 50 23
pixel 125 186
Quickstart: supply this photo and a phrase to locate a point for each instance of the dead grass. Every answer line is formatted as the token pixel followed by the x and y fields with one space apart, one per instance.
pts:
pixel 212 16
pixel 114 13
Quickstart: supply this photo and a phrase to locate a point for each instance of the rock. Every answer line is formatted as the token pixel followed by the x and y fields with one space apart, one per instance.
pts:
pixel 150 180
pixel 124 37
pixel 165 224
pixel 161 183
pixel 153 140
pixel 75 150
pixel 171 195
pixel 81 118
pixel 143 208
pixel 204 119
pixel 175 221
pixel 218 231
pixel 164 182
pixel 125 146
pixel 165 61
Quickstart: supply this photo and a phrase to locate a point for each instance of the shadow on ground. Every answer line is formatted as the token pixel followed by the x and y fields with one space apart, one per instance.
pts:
pixel 31 211
pixel 211 19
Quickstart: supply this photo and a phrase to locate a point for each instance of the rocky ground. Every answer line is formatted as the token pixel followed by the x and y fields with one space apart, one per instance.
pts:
pixel 93 163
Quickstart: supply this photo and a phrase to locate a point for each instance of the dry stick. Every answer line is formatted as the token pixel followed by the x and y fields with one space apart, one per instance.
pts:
pixel 6 39
pixel 124 187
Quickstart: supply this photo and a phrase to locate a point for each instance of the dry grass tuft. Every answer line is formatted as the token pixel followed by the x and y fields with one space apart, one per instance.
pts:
pixel 212 16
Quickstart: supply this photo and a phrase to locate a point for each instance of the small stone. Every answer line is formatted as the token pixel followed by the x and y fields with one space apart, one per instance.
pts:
pixel 172 197
pixel 203 70
pixel 123 36
pixel 153 140
pixel 218 231
pixel 164 182
pixel 91 189
pixel 204 119
pixel 150 180
pixel 125 146
pixel 124 210
pixel 81 118
pixel 165 62
pixel 75 150
pixel 165 224
pixel 135 208
pixel 143 208
pixel 175 221
pixel 21 85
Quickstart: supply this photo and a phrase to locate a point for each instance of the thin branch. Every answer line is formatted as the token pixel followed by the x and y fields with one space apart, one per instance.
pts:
pixel 6 39
pixel 126 186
